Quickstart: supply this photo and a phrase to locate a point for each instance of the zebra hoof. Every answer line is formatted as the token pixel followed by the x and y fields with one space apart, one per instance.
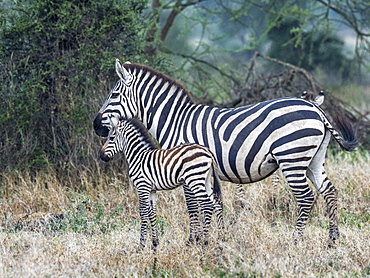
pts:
pixel 333 237
pixel 332 244
pixel 194 242
pixel 334 234
pixel 141 247
pixel 155 244
pixel 297 236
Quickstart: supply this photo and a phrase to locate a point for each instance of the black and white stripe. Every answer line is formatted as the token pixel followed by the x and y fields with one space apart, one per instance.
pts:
pixel 152 169
pixel 249 142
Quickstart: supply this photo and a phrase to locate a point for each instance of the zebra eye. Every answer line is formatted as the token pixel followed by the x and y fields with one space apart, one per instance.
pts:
pixel 115 95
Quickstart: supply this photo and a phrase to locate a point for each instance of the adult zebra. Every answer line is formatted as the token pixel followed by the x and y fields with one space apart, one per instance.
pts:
pixel 152 169
pixel 249 142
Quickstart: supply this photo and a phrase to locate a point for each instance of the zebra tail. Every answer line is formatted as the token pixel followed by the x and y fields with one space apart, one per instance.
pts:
pixel 346 138
pixel 216 182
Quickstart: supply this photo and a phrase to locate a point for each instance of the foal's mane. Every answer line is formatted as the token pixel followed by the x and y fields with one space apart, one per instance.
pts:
pixel 160 75
pixel 142 130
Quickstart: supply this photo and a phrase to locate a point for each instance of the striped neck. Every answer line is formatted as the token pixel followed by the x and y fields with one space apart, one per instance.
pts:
pixel 157 96
pixel 136 139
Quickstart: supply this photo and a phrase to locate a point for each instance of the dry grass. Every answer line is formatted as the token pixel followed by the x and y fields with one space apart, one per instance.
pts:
pixel 89 227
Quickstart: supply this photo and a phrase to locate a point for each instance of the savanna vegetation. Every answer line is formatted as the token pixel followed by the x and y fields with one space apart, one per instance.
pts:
pixel 51 230
pixel 66 213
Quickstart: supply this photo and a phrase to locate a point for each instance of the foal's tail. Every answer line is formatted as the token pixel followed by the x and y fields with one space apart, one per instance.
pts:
pixel 216 181
pixel 218 206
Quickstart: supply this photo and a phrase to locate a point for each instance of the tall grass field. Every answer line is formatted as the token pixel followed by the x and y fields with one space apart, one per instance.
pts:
pixel 88 225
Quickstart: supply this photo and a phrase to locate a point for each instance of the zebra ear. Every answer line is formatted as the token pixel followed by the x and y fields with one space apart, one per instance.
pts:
pixel 123 73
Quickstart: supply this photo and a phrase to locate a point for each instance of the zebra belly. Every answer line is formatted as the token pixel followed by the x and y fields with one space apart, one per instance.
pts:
pixel 264 168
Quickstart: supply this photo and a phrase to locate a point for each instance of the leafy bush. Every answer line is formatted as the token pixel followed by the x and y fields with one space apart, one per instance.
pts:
pixel 57 65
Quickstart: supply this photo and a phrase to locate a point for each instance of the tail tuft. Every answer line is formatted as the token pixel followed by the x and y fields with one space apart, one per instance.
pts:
pixel 349 142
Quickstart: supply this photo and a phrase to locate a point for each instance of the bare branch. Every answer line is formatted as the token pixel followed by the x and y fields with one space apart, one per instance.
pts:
pixel 178 8
pixel 298 69
pixel 345 16
pixel 170 19
pixel 150 36
pixel 202 62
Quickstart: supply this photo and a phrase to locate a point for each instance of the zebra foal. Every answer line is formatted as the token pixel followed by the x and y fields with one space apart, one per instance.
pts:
pixel 152 169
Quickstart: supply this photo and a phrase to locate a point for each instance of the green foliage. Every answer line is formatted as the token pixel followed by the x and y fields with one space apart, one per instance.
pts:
pixel 160 272
pixel 82 215
pixel 86 216
pixel 355 220
pixel 212 43
pixel 294 41
pixel 354 94
pixel 162 224
pixel 57 59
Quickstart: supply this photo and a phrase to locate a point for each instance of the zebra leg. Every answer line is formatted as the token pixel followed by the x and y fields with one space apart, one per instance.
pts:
pixel 218 208
pixel 330 197
pixel 316 173
pixel 275 180
pixel 153 219
pixel 144 215
pixel 329 192
pixel 240 202
pixel 199 190
pixel 318 177
pixel 297 180
pixel 216 198
pixel 193 211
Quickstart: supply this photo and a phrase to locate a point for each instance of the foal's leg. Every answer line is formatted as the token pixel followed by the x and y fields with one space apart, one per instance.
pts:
pixel 153 219
pixel 193 210
pixel 199 190
pixel 211 182
pixel 144 202
pixel 218 208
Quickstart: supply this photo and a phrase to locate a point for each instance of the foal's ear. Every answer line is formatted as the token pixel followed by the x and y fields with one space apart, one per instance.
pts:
pixel 122 73
pixel 113 121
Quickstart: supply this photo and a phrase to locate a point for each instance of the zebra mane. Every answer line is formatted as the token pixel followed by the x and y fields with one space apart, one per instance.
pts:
pixel 164 77
pixel 142 130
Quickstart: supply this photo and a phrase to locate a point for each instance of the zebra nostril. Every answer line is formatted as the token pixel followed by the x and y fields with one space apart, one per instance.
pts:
pixel 104 157
pixel 98 126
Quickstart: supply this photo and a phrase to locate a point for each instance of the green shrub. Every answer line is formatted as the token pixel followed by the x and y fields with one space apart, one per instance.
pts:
pixel 57 67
